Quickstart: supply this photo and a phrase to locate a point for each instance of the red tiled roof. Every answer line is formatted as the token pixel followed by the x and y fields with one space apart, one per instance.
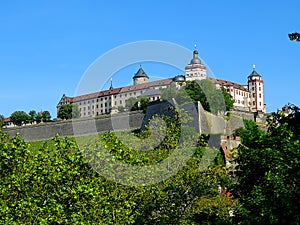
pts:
pixel 147 85
pixel 227 83
pixel 70 99
pixel 7 120
pixel 95 95
pixel 115 91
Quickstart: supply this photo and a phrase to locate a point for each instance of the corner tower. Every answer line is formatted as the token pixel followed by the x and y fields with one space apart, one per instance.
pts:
pixel 140 77
pixel 195 70
pixel 256 89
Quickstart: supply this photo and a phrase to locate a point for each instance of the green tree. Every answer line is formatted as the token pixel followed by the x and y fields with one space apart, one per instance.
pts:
pixel 1 121
pixel 268 171
pixel 179 95
pixel 143 103
pixel 139 103
pixel 294 36
pixel 52 183
pixel 228 99
pixel 19 118
pixel 121 108
pixel 195 92
pixel 39 118
pixel 212 99
pixel 46 116
pixel 75 111
pixel 131 104
pixel 32 115
pixel 68 111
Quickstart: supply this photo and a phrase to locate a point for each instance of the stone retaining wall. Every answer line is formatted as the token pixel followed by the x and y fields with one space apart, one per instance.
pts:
pixel 45 131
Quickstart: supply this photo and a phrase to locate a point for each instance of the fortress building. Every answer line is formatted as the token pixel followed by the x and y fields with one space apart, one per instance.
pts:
pixel 249 97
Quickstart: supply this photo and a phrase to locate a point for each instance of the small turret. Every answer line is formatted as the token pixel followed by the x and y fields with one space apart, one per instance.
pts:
pixel 140 77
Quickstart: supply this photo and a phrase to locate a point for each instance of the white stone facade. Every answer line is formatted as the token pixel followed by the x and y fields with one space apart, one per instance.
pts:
pixel 248 97
pixel 195 70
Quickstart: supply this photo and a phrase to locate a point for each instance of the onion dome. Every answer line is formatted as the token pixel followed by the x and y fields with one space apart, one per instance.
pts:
pixel 195 59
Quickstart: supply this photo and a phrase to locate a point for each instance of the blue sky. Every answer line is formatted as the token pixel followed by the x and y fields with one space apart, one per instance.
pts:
pixel 46 46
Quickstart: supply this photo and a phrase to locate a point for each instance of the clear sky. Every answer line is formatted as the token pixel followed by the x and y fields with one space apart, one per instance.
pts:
pixel 46 46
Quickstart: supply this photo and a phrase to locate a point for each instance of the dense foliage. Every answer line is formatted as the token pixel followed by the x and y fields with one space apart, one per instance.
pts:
pixel 268 171
pixel 212 99
pixel 134 104
pixel 294 36
pixel 50 182
pixel 1 121
pixel 20 117
pixel 68 111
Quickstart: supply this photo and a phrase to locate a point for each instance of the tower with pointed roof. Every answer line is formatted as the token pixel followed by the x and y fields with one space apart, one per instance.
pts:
pixel 140 77
pixel 195 70
pixel 256 89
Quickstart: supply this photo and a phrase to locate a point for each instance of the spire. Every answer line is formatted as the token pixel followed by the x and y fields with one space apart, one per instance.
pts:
pixel 140 73
pixel 254 73
pixel 111 85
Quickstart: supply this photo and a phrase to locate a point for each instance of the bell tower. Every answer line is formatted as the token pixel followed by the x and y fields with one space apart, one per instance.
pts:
pixel 195 70
pixel 256 89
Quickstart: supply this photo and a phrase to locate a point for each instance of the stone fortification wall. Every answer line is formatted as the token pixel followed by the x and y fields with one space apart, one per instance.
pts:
pixel 122 121
pixel 203 121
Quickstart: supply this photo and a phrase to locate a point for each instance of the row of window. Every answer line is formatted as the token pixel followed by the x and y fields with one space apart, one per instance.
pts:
pixel 258 83
pixel 195 74
pixel 253 95
pixel 239 102
pixel 238 92
pixel 253 88
pixel 97 106
pixel 93 113
pixel 105 98
pixel 247 95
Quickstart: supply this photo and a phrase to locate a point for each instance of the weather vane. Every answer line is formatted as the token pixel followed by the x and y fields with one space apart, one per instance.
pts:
pixel 254 66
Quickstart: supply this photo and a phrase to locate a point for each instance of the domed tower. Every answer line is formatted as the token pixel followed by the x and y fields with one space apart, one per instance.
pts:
pixel 195 70
pixel 140 77
pixel 256 89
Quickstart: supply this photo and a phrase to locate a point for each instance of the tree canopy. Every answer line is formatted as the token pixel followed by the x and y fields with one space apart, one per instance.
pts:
pixel 51 182
pixel 1 121
pixel 19 118
pixel 68 111
pixel 268 170
pixel 139 103
pixel 46 116
pixel 211 98
pixel 294 36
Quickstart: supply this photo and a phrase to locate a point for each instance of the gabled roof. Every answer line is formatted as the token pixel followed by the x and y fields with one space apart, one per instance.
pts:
pixel 227 83
pixel 115 91
pixel 96 95
pixel 147 85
